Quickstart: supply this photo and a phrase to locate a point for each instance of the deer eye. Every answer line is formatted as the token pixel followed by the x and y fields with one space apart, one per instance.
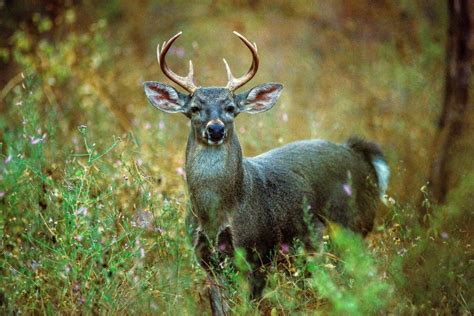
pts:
pixel 195 109
pixel 230 109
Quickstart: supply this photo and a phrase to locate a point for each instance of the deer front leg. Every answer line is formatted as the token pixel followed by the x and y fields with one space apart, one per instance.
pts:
pixel 257 279
pixel 257 276
pixel 203 251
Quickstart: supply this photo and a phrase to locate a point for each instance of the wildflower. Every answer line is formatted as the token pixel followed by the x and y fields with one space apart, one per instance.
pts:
pixel 81 211
pixel 153 306
pixel 2 194
pixel 8 159
pixel 35 140
pixel 402 252
pixel 76 287
pixel 444 235
pixel 82 129
pixel 180 171
pixel 160 230
pixel 285 248
pixel 78 238
pixel 144 219
pixel 178 51
pixel 161 124
pixel 147 125
pixel 347 189
pixel 329 266
pixel 391 201
pixel 35 265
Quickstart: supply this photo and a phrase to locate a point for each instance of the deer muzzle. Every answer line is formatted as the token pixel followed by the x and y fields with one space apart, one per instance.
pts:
pixel 215 132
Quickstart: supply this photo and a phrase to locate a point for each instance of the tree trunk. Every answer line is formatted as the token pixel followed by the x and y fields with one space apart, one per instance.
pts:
pixel 444 173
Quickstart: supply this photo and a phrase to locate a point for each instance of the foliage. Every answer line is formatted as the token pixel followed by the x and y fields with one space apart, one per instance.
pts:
pixel 92 194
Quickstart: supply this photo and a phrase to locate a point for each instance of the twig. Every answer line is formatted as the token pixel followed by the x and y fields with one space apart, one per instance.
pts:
pixel 10 85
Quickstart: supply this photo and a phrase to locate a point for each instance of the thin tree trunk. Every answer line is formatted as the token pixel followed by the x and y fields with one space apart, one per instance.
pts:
pixel 459 53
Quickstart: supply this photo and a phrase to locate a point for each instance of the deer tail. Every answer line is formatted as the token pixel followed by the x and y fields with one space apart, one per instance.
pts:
pixel 375 157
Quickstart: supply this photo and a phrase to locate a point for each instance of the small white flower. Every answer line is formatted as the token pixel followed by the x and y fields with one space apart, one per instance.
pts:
pixel 81 211
pixel 161 124
pixel 180 171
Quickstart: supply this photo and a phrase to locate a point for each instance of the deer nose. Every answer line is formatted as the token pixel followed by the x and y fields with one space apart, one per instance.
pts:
pixel 215 131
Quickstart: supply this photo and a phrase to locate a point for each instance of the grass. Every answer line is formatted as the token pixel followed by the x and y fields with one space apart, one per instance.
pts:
pixel 92 193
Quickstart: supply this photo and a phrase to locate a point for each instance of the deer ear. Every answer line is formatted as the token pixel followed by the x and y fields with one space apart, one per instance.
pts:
pixel 260 98
pixel 165 97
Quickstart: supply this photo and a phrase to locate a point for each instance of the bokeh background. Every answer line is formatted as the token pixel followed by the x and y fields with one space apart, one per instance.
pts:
pixel 92 176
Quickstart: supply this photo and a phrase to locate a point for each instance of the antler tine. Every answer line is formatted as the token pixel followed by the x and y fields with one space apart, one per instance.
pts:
pixel 235 83
pixel 230 77
pixel 186 82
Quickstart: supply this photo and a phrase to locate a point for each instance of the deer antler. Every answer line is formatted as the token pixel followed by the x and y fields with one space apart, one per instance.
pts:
pixel 186 82
pixel 235 83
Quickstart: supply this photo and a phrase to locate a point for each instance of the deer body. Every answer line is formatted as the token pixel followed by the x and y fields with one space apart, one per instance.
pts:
pixel 267 194
pixel 259 203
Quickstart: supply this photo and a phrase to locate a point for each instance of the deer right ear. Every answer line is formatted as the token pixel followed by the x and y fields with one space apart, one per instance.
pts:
pixel 165 97
pixel 260 98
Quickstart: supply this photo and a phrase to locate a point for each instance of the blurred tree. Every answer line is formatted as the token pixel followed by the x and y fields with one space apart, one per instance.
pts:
pixel 454 120
pixel 24 14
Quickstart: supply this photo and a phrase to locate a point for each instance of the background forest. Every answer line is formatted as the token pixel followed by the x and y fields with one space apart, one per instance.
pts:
pixel 92 191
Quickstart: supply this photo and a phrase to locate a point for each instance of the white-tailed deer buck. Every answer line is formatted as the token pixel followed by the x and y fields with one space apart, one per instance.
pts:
pixel 258 203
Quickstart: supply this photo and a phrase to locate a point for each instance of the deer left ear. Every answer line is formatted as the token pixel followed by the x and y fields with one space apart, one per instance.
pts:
pixel 165 97
pixel 260 98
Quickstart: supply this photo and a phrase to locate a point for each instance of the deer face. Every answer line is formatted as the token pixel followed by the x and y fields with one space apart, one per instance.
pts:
pixel 212 110
pixel 212 115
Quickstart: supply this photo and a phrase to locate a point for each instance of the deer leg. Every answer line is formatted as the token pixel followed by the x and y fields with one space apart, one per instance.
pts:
pixel 219 305
pixel 257 280
pixel 202 248
pixel 258 276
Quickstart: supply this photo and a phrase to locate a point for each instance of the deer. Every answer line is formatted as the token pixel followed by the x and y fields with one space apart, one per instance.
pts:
pixel 259 203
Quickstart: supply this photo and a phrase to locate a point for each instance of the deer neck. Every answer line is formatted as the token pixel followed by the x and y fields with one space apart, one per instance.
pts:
pixel 214 175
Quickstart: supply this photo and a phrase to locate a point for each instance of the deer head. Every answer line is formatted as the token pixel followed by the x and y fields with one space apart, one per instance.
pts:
pixel 211 109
